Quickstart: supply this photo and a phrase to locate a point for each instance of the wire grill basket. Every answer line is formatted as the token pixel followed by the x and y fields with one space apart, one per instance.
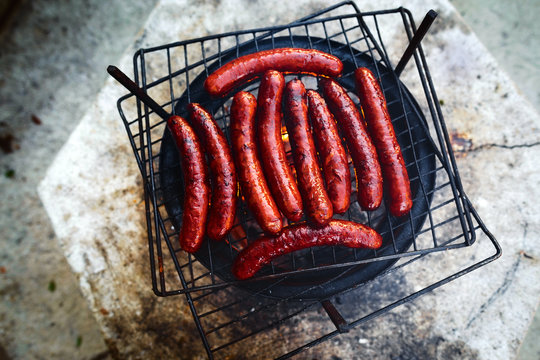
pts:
pixel 441 219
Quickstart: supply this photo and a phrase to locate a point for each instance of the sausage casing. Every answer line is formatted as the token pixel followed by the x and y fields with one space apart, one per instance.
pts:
pixel 331 152
pixel 310 181
pixel 197 191
pixel 273 158
pixel 301 236
pixel 382 133
pixel 288 60
pixel 248 167
pixel 363 152
pixel 222 172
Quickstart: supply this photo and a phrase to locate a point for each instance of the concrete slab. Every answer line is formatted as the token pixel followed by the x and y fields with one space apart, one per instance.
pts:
pixel 512 31
pixel 48 81
pixel 93 196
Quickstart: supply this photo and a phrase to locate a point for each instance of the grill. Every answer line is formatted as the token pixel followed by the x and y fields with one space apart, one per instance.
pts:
pixel 229 313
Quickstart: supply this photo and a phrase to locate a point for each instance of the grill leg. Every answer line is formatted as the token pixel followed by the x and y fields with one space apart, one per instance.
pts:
pixel 335 316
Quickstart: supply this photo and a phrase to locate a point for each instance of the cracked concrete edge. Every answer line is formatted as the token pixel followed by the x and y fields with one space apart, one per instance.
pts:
pixel 48 63
pixel 504 68
pixel 507 28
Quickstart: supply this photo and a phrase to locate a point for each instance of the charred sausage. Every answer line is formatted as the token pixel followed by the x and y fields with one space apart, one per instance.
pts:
pixel 331 152
pixel 382 133
pixel 300 236
pixel 363 153
pixel 273 158
pixel 222 172
pixel 249 170
pixel 197 192
pixel 310 181
pixel 288 60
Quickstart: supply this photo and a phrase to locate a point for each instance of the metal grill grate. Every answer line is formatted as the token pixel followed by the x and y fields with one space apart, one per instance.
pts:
pixel 296 284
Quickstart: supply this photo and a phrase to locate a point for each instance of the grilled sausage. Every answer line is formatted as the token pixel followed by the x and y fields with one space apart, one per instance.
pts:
pixel 276 169
pixel 363 153
pixel 250 174
pixel 310 181
pixel 331 152
pixel 222 173
pixel 301 236
pixel 382 133
pixel 197 192
pixel 288 60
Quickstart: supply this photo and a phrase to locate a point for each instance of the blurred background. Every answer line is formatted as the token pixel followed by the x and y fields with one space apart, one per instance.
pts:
pixel 53 56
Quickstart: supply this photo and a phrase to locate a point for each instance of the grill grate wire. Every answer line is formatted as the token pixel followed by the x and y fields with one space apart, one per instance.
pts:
pixel 226 315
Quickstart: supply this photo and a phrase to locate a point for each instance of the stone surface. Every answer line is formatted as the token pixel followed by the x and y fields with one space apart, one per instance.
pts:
pixel 48 63
pixel 510 28
pixel 93 195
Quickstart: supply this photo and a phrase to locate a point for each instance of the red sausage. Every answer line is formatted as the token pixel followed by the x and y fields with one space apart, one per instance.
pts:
pixel 383 135
pixel 363 153
pixel 300 236
pixel 331 152
pixel 288 60
pixel 250 174
pixel 222 172
pixel 197 192
pixel 272 150
pixel 310 181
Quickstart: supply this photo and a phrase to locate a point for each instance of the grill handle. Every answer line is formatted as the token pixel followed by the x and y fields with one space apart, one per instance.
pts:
pixel 415 41
pixel 137 91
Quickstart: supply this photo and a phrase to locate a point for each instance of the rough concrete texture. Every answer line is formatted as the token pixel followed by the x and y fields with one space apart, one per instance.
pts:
pixel 48 81
pixel 510 30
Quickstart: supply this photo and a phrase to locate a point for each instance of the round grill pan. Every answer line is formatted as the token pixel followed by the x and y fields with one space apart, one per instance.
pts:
pixel 397 233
